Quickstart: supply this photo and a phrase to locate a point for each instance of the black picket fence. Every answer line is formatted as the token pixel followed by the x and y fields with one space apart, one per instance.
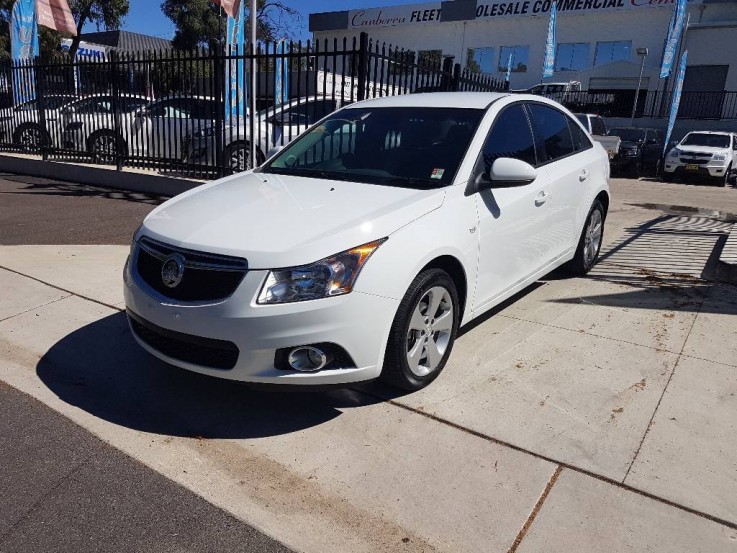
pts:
pixel 167 110
pixel 652 103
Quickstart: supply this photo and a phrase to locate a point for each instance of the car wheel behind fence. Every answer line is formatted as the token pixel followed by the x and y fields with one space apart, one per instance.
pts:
pixel 31 137
pixel 103 147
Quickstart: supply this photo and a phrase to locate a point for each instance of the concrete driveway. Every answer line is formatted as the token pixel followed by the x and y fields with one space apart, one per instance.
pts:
pixel 595 414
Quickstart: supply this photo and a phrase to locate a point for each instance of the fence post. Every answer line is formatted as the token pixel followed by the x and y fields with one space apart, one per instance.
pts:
pixel 219 62
pixel 41 104
pixel 363 46
pixel 115 82
pixel 456 82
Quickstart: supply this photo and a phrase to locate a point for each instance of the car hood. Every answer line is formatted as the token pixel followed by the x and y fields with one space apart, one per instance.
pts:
pixel 703 149
pixel 280 221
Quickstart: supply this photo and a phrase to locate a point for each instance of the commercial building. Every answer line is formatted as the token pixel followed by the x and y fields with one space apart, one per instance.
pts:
pixel 598 40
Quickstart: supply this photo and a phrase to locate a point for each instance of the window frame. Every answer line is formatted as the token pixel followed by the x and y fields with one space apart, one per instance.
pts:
pixel 573 44
pixel 479 167
pixel 502 67
pixel 540 145
pixel 611 60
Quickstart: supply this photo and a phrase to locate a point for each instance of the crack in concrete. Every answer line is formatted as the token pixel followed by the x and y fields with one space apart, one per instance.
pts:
pixel 536 509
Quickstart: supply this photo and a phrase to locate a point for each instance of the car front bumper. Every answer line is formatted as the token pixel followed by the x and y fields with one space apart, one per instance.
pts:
pixel 356 322
pixel 711 169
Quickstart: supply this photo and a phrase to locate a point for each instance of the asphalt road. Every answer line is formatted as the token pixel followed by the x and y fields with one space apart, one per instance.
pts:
pixel 42 211
pixel 61 488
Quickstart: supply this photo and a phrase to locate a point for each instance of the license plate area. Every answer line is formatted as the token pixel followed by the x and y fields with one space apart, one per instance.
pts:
pixel 692 167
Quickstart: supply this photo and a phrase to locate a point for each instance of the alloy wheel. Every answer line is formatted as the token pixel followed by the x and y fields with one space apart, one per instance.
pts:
pixel 592 239
pixel 429 331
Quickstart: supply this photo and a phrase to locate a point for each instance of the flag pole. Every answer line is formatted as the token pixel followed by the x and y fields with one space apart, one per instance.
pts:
pixel 252 96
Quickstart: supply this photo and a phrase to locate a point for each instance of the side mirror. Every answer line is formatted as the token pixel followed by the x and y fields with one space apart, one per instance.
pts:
pixel 275 120
pixel 507 172
pixel 275 150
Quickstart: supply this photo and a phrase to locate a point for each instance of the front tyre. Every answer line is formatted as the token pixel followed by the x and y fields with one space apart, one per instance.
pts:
pixel 589 244
pixel 423 331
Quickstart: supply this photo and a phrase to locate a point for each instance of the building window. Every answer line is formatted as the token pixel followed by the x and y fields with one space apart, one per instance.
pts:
pixel 430 57
pixel 520 56
pixel 572 57
pixel 480 60
pixel 607 52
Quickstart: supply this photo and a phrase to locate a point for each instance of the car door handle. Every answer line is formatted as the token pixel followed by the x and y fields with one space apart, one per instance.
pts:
pixel 583 175
pixel 542 197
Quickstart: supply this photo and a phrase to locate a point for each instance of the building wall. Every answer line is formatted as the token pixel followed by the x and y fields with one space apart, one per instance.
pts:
pixel 645 27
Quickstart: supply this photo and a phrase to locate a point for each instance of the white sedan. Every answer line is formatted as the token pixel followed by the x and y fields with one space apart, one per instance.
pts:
pixel 359 250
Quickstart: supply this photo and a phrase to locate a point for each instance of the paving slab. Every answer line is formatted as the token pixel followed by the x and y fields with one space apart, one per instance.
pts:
pixel 713 335
pixel 322 471
pixel 689 455
pixel 585 515
pixel 569 396
pixel 669 244
pixel 20 294
pixel 647 313
pixel 95 272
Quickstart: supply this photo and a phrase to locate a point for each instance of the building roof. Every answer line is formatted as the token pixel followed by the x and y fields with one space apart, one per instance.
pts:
pixel 126 41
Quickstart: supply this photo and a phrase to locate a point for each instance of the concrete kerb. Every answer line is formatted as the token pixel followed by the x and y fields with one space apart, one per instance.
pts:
pixel 129 180
pixel 726 267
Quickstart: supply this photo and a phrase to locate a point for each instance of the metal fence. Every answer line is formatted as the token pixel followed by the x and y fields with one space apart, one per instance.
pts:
pixel 652 103
pixel 166 110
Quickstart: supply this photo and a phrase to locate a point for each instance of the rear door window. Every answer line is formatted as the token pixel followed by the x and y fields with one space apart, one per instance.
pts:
pixel 552 132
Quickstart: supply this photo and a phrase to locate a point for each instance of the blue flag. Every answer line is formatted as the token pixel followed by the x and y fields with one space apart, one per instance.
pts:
pixel 549 65
pixel 235 76
pixel 677 23
pixel 509 67
pixel 24 48
pixel 281 74
pixel 677 90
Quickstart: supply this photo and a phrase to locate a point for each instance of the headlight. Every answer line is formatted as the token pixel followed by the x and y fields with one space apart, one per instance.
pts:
pixel 631 153
pixel 675 152
pixel 719 157
pixel 332 276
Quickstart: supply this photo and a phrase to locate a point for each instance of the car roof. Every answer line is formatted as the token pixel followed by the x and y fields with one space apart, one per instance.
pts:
pixel 473 100
pixel 722 133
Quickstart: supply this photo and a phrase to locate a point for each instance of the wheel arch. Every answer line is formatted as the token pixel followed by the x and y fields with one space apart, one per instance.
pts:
pixel 603 197
pixel 454 268
pixel 99 132
pixel 245 142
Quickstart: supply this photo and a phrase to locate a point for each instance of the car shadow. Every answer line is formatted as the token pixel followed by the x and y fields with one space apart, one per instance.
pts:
pixel 100 369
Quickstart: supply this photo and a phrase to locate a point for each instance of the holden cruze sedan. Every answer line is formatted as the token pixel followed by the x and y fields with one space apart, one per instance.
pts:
pixel 357 251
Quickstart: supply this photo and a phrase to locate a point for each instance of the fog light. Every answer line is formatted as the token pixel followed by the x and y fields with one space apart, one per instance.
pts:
pixel 307 359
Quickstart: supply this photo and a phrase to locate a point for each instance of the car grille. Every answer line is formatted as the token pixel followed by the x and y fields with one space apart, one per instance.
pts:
pixel 695 158
pixel 206 277
pixel 205 352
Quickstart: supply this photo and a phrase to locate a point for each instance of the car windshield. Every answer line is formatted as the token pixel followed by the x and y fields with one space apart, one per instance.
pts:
pixel 703 139
pixel 628 135
pixel 409 147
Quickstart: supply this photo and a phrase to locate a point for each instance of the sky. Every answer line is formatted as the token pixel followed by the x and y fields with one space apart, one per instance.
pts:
pixel 145 16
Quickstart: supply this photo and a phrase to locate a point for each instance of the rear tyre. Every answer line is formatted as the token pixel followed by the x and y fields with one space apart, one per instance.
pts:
pixel 423 332
pixel 236 157
pixel 103 147
pixel 589 244
pixel 722 181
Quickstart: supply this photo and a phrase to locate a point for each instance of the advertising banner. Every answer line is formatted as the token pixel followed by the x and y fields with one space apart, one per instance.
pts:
pixel 235 76
pixel 55 14
pixel 509 68
pixel 549 64
pixel 677 90
pixel 23 48
pixel 281 74
pixel 674 37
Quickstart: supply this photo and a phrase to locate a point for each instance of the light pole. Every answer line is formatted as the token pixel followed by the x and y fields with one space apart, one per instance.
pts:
pixel 642 52
pixel 254 84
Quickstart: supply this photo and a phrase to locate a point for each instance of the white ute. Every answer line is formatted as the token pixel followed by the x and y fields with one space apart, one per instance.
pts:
pixel 708 156
pixel 359 250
